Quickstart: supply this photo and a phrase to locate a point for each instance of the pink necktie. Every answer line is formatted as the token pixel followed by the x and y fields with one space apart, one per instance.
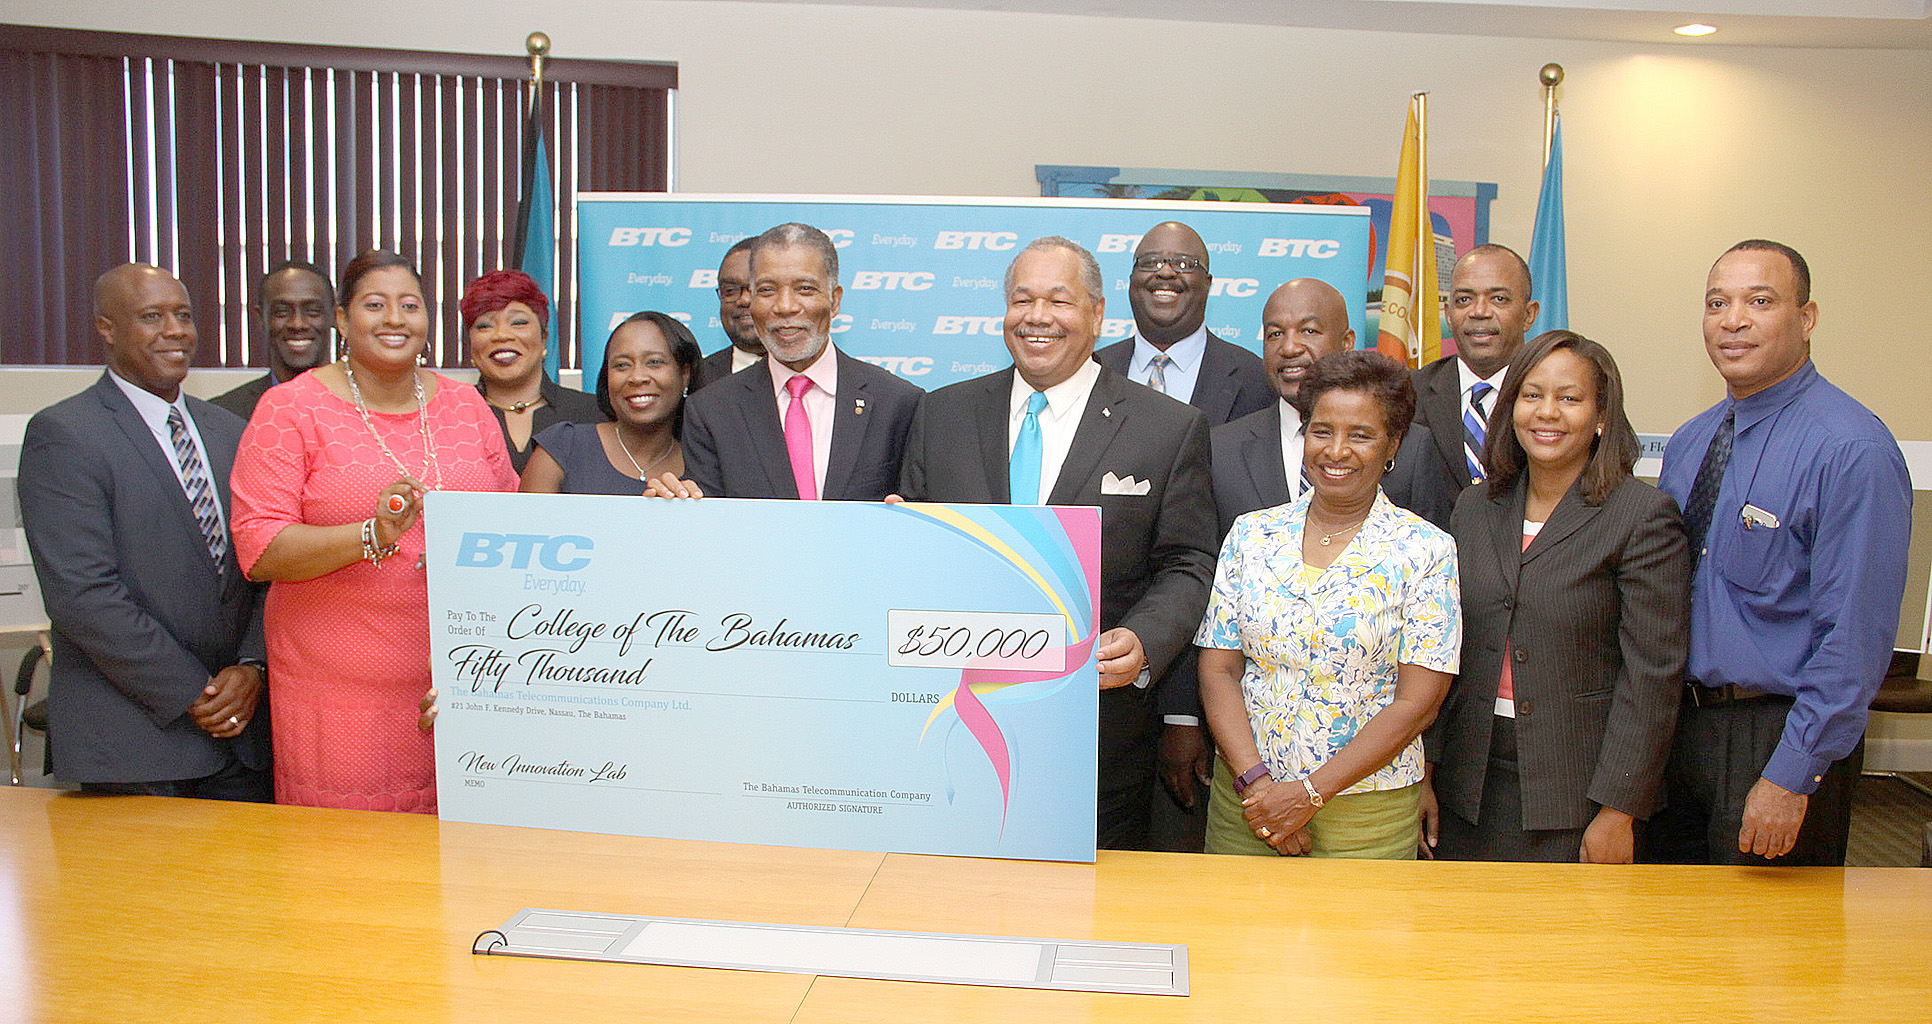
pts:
pixel 798 438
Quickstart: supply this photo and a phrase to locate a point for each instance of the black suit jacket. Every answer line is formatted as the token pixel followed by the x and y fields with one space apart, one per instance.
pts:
pixel 141 620
pixel 241 401
pixel 734 442
pixel 1249 475
pixel 1438 406
pixel 1157 557
pixel 1594 614
pixel 712 369
pixel 1231 383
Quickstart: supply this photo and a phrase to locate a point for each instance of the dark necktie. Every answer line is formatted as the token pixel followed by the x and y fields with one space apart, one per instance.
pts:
pixel 1475 428
pixel 1710 477
pixel 201 489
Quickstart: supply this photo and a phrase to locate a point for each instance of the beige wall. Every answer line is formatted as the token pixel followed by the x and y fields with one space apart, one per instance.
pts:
pixel 1673 151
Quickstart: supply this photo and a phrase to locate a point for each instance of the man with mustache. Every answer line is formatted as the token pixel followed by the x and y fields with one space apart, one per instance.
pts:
pixel 734 316
pixel 1058 428
pixel 808 421
pixel 1490 310
pixel 158 683
pixel 294 307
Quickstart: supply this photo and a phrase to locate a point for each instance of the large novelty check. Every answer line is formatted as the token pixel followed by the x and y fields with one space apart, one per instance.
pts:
pixel 913 678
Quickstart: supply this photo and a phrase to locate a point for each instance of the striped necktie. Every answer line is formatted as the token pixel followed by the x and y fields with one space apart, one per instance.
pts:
pixel 1475 428
pixel 200 488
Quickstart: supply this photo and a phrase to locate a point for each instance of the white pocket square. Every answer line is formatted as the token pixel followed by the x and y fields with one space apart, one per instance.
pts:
pixel 1111 484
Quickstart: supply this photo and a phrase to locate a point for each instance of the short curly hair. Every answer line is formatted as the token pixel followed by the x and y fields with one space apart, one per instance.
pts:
pixel 1369 372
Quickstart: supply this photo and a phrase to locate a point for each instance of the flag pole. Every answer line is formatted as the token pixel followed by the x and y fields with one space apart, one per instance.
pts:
pixel 538 46
pixel 1551 76
pixel 1428 234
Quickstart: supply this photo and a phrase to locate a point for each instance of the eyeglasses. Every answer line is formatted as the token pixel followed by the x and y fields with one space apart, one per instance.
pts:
pixel 731 290
pixel 1154 261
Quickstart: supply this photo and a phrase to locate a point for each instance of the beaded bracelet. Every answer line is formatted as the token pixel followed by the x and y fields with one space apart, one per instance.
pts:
pixel 370 552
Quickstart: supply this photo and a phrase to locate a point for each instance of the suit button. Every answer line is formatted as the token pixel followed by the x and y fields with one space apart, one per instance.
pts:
pixel 1521 655
pixel 1523 707
pixel 1508 601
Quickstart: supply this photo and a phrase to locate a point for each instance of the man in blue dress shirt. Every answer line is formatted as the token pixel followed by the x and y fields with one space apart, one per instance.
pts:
pixel 1798 507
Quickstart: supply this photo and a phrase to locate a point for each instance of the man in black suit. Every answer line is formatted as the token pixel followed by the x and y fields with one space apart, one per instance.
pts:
pixel 294 308
pixel 1490 310
pixel 734 317
pixel 808 421
pixel 157 683
pixel 1172 351
pixel 1091 437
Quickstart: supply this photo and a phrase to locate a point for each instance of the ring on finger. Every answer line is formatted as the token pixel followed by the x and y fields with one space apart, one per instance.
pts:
pixel 397 503
pixel 1265 834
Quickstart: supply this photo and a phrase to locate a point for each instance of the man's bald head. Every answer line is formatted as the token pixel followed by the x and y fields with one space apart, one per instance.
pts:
pixel 1302 321
pixel 147 325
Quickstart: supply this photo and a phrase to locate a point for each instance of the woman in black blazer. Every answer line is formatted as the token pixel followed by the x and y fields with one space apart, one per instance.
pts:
pixel 1575 594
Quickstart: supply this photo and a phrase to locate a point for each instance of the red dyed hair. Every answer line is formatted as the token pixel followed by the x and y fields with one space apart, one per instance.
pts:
pixel 498 288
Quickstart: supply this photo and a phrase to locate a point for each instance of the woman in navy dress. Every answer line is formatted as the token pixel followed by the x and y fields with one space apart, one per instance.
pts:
pixel 648 364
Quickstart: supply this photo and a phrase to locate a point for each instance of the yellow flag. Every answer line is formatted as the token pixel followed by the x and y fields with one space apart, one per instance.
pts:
pixel 1411 328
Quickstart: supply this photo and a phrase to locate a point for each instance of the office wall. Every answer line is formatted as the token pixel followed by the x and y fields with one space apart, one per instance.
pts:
pixel 1673 151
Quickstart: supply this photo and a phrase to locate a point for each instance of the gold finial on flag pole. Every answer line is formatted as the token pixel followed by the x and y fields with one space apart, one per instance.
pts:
pixel 538 45
pixel 1551 76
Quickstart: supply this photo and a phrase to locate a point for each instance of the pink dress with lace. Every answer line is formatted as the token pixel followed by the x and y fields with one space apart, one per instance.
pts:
pixel 348 652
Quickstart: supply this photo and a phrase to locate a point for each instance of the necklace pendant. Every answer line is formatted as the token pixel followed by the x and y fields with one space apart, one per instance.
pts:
pixel 1326 537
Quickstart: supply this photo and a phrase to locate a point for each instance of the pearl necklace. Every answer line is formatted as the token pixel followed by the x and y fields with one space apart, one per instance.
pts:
pixel 431 467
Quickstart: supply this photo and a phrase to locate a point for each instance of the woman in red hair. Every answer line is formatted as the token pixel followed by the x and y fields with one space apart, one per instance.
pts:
pixel 507 321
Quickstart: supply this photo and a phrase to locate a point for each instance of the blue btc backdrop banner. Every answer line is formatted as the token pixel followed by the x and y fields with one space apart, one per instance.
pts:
pixel 923 276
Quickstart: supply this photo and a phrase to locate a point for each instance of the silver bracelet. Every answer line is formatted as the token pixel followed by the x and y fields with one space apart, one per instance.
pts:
pixel 371 553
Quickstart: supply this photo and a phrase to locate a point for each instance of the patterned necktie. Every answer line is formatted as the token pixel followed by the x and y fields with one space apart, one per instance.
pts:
pixel 1702 500
pixel 1475 428
pixel 1023 475
pixel 1157 374
pixel 798 438
pixel 200 488
pixel 1301 436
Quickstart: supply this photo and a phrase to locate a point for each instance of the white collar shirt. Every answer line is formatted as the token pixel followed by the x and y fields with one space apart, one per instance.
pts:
pixel 153 410
pixel 1183 370
pixel 1066 401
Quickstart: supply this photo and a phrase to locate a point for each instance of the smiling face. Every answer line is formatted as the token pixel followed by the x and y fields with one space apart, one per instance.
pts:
pixel 1489 309
pixel 1347 445
pixel 385 324
pixel 793 301
pixel 645 382
pixel 734 302
pixel 1303 321
pixel 1051 321
pixel 148 327
pixel 295 317
pixel 1169 303
pixel 1557 415
pixel 1755 330
pixel 507 346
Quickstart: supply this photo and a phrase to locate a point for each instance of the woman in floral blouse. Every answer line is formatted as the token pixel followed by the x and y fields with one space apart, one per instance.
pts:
pixel 1330 638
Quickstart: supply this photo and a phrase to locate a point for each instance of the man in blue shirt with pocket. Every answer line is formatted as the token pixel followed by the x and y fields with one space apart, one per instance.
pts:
pixel 1798 506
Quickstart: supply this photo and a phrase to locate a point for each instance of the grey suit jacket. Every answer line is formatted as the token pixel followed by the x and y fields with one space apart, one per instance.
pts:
pixel 242 400
pixel 1438 406
pixel 1157 549
pixel 1593 613
pixel 1231 383
pixel 141 619
pixel 734 442
pixel 1249 475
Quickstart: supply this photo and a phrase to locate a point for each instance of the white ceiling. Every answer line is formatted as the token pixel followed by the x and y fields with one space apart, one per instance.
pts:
pixel 1857 24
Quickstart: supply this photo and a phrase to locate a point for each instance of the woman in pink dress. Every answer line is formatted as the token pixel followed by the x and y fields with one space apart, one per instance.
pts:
pixel 328 490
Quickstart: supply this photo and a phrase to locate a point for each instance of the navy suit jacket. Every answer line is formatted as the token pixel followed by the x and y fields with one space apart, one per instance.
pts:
pixel 1231 383
pixel 141 618
pixel 734 442
pixel 1438 406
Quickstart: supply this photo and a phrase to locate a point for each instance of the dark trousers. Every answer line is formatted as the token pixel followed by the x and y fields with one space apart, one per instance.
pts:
pixel 1500 834
pixel 236 781
pixel 1718 756
pixel 1128 735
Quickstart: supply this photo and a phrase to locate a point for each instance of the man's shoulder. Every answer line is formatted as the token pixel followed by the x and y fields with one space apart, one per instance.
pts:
pixel 877 378
pixel 1238 356
pixel 1147 407
pixel 1434 372
pixel 82 409
pixel 1253 424
pixel 970 391
pixel 1116 356
pixel 1840 419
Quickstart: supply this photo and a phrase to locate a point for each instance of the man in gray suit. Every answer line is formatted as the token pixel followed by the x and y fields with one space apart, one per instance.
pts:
pixel 1090 437
pixel 158 679
pixel 1172 350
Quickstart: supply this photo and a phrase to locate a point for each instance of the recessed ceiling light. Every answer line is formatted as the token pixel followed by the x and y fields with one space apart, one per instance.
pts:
pixel 1694 30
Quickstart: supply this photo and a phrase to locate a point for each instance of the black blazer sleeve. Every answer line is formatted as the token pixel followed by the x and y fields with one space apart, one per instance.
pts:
pixel 1653 594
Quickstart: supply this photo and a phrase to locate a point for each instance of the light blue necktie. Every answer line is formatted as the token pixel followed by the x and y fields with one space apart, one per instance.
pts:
pixel 1023 469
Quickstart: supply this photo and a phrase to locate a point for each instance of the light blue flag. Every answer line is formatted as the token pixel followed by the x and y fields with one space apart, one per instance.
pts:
pixel 1548 263
pixel 536 244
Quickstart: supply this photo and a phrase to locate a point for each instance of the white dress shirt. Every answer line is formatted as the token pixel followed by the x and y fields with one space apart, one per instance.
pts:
pixel 1066 401
pixel 820 401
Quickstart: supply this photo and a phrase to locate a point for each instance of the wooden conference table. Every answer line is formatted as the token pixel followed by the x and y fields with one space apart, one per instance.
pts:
pixel 120 909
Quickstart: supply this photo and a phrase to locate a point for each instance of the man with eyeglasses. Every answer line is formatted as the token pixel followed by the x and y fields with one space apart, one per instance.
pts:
pixel 734 315
pixel 1173 352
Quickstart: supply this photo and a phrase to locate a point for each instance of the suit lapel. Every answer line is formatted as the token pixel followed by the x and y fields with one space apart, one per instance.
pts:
pixel 849 423
pixel 1262 454
pixel 1568 517
pixel 763 427
pixel 1098 425
pixel 990 414
pixel 1212 393
pixel 1447 399
pixel 1505 520
pixel 141 440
